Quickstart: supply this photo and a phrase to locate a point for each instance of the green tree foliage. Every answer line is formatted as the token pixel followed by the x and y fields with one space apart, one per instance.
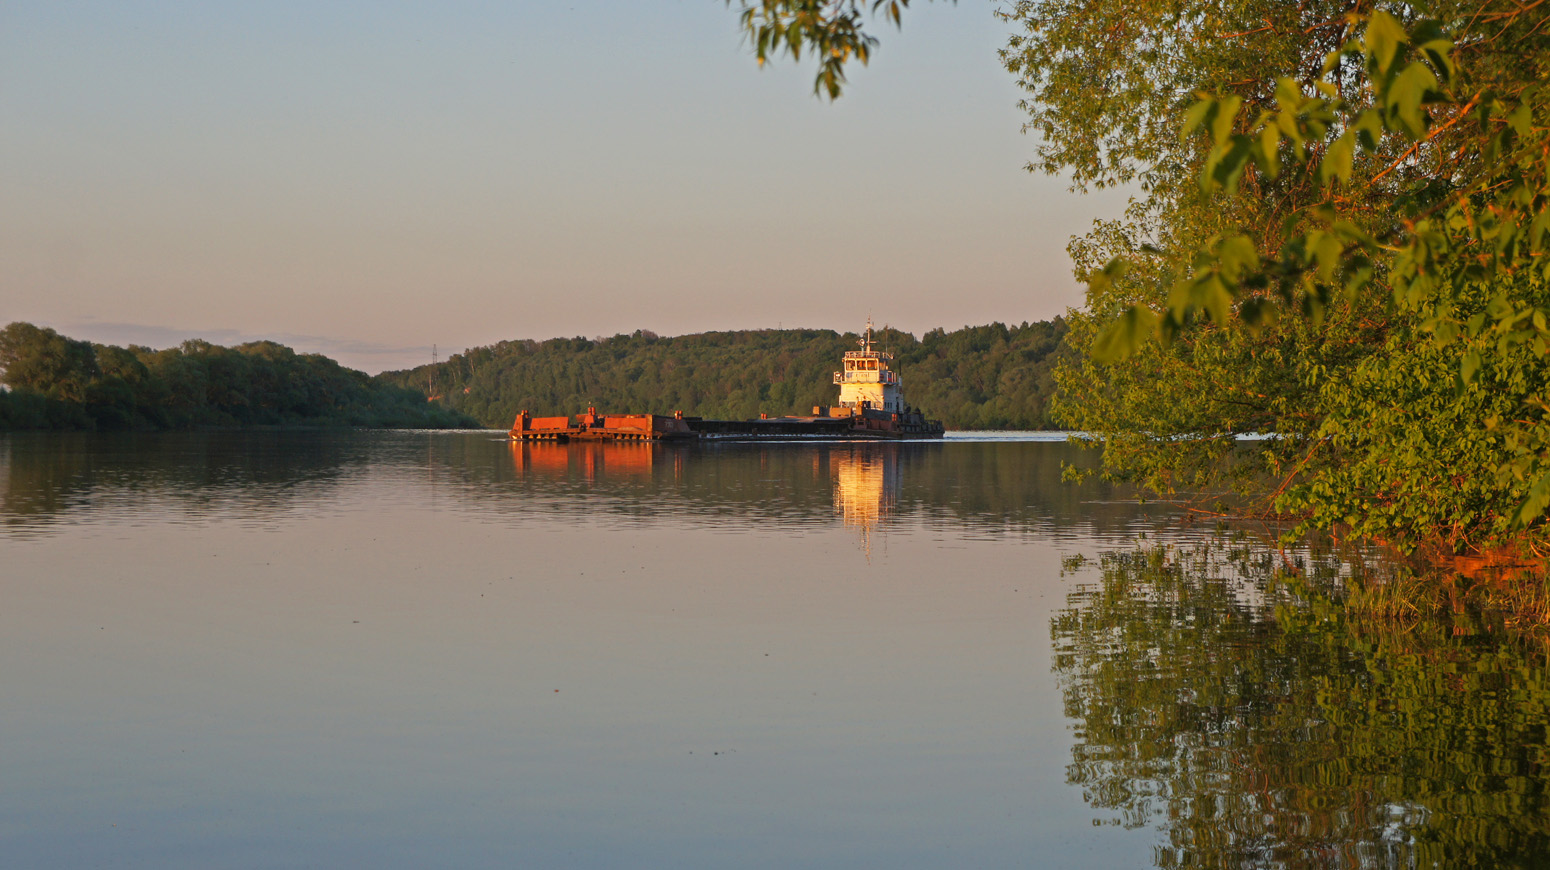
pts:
pixel 832 31
pixel 1346 247
pixel 47 363
pixel 1358 233
pixel 54 382
pixel 1256 722
pixel 983 377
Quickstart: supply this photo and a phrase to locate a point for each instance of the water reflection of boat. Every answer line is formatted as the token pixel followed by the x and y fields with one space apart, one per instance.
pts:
pixel 591 461
pixel 866 485
pixel 871 407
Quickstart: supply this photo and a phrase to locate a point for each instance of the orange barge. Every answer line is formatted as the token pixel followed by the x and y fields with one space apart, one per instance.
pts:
pixel 593 426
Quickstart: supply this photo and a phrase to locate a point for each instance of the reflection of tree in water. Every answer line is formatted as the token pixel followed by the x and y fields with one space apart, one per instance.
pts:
pixel 985 488
pixel 1258 731
pixel 866 484
pixel 47 478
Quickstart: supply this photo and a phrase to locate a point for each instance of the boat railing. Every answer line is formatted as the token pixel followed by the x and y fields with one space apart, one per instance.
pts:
pixel 882 376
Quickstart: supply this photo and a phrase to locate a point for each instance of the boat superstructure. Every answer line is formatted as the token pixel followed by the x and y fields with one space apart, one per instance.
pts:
pixel 866 381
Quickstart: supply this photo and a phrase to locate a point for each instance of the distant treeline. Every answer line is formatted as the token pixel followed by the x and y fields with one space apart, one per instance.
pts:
pixel 980 377
pixel 55 382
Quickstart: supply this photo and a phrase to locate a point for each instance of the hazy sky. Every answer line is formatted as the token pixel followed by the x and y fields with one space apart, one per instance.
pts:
pixel 368 178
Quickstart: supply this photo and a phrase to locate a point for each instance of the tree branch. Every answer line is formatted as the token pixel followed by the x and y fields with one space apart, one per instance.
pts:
pixel 1429 137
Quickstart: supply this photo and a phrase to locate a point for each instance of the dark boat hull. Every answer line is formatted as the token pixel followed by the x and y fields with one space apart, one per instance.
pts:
pixel 885 427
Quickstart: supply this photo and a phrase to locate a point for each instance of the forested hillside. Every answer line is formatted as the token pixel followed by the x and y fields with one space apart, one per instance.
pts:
pixel 981 377
pixel 55 382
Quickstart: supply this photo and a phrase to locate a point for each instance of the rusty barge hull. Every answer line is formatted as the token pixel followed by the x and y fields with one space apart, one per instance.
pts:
pixel 867 425
pixel 593 426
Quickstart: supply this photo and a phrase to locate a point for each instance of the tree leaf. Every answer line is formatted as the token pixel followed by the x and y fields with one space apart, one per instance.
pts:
pixel 1369 129
pixel 1469 366
pixel 1382 40
pixel 1124 335
pixel 1534 503
pixel 1226 117
pixel 1404 96
pixel 1268 150
pixel 1235 255
pixel 1198 113
pixel 1336 164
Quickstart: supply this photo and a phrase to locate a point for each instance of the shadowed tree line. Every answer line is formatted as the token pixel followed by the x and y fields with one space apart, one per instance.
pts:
pixel 979 377
pixel 58 383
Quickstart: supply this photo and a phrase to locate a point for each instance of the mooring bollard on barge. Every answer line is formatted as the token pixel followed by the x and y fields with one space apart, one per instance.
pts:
pixel 871 407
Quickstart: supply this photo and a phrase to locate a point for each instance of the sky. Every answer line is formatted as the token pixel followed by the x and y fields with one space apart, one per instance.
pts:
pixel 370 179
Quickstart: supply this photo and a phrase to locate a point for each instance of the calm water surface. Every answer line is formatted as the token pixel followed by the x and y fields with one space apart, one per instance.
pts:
pixel 411 649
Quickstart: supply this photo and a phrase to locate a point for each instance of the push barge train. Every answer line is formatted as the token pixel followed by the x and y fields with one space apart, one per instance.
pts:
pixel 871 406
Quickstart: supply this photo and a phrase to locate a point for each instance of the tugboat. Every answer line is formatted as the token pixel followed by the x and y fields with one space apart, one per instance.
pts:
pixel 870 393
pixel 871 406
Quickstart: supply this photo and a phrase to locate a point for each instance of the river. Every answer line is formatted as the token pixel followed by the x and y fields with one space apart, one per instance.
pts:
pixel 410 649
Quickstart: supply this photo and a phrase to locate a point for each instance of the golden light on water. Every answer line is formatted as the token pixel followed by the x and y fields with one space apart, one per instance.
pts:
pixel 866 483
